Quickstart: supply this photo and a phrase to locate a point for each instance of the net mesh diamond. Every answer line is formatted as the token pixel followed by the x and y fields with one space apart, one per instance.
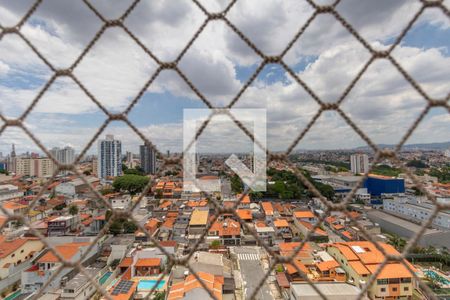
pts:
pixel 173 260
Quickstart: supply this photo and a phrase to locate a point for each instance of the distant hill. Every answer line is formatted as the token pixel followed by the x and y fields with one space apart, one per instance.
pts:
pixel 430 146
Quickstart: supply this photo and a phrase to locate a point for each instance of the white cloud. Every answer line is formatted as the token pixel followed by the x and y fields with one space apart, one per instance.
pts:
pixel 116 68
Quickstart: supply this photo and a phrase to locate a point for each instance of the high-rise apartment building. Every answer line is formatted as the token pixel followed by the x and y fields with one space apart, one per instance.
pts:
pixel 30 166
pixel 359 163
pixel 11 161
pixel 109 157
pixel 148 159
pixel 64 155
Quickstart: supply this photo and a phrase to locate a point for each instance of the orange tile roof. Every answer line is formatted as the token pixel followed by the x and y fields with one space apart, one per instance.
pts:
pixel 391 270
pixel 355 215
pixel 338 226
pixel 126 262
pixel 268 208
pixel 8 247
pixel 172 214
pixel 260 224
pixel 244 214
pixel 281 223
pixel 148 262
pixel 213 283
pixel 330 219
pixel 245 199
pixel 304 214
pixel 13 205
pixel 327 265
pixel 290 269
pixel 165 204
pixel 151 223
pixel 359 267
pixel 346 251
pixel 226 227
pixel 286 249
pixel 169 223
pixel 195 203
pixel 310 227
pixel 347 234
pixel 66 251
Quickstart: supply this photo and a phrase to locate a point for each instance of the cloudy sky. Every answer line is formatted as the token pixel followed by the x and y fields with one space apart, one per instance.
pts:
pixel 383 104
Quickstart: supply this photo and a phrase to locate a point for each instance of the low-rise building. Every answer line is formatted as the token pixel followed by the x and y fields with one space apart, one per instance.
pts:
pixel 362 259
pixel 48 264
pixel 9 191
pixel 417 209
pixel 62 225
pixel 15 252
pixel 332 291
pixel 227 231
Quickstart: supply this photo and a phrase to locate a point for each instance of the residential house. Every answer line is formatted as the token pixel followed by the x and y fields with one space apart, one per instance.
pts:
pixel 265 233
pixel 62 225
pixel 16 251
pixel 267 209
pixel 362 259
pixel 191 288
pixel 227 231
pixel 45 266
pixel 282 230
pixel 197 224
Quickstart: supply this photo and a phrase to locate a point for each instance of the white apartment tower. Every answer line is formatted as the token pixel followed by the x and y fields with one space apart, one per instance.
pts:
pixel 65 155
pixel 109 157
pixel 359 163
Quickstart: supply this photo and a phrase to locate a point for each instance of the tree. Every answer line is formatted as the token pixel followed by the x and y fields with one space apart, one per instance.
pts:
pixel 236 184
pixel 417 164
pixel 73 210
pixel 215 244
pixel 135 171
pixel 59 206
pixel 129 227
pixel 116 227
pixel 160 296
pixel 106 191
pixel 130 183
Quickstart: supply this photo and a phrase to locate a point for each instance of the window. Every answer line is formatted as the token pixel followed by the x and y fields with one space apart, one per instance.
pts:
pixel 21 251
pixel 406 288
pixel 383 290
pixel 405 280
pixel 382 281
pixel 394 289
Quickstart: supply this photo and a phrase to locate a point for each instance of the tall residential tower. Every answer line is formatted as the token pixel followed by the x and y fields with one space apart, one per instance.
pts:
pixel 148 159
pixel 359 163
pixel 109 157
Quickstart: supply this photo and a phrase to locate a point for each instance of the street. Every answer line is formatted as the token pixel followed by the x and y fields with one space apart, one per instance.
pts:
pixel 252 271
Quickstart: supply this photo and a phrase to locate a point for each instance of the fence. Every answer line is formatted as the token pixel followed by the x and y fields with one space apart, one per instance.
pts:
pixel 380 154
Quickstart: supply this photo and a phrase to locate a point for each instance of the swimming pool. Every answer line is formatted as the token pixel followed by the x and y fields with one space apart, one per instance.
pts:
pixel 436 276
pixel 149 284
pixel 105 277
pixel 14 295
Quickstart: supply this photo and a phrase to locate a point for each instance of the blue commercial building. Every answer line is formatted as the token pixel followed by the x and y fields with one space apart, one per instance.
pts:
pixel 2 166
pixel 377 185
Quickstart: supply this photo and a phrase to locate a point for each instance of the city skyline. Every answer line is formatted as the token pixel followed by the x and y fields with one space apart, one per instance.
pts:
pixel 382 103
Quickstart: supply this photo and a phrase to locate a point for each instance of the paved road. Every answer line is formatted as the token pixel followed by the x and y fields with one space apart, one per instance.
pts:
pixel 252 272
